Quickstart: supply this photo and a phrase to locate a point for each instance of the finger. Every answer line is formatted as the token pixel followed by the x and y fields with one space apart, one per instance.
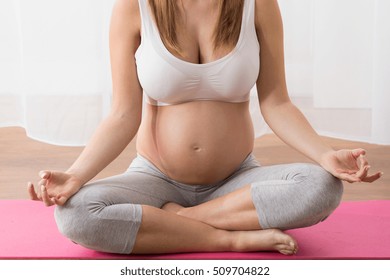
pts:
pixel 347 171
pixel 372 178
pixel 363 161
pixel 53 200
pixel 362 173
pixel 358 152
pixel 349 178
pixel 45 174
pixel 60 200
pixel 45 197
pixel 42 182
pixel 31 191
pixel 39 195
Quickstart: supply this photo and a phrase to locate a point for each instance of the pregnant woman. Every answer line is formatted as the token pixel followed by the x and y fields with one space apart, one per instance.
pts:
pixel 195 184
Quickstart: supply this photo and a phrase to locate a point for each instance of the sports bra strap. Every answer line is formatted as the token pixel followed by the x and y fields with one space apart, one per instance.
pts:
pixel 146 19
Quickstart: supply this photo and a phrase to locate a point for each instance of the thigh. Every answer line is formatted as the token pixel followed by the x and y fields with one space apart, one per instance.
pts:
pixel 288 196
pixel 106 214
pixel 130 187
pixel 284 174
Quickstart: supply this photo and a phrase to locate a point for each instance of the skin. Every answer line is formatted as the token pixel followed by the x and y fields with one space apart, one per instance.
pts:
pixel 206 151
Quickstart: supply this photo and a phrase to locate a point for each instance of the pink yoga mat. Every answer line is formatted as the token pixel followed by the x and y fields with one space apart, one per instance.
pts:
pixel 356 230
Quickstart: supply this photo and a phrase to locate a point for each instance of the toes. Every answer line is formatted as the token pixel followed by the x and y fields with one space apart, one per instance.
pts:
pixel 287 249
pixel 294 245
pixel 284 247
pixel 287 245
pixel 286 252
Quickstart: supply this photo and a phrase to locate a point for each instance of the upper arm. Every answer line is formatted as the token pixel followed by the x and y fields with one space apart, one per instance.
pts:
pixel 271 83
pixel 124 39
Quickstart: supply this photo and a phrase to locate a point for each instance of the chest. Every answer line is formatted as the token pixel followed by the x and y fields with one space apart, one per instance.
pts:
pixel 195 35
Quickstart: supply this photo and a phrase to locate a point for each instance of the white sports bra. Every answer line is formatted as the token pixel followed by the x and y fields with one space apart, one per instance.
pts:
pixel 168 80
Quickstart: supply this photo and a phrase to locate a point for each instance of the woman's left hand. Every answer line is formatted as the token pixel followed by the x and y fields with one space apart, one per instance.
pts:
pixel 349 165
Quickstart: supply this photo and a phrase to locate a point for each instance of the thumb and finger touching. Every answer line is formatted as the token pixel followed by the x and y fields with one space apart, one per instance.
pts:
pixel 45 174
pixel 361 174
pixel 44 193
pixel 358 152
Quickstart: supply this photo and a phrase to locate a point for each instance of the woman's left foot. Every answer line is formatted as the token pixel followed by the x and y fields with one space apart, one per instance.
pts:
pixel 265 240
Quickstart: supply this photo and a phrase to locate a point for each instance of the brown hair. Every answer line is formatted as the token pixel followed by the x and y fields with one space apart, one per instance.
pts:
pixel 226 32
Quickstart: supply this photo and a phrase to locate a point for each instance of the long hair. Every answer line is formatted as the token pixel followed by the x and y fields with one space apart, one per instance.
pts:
pixel 226 31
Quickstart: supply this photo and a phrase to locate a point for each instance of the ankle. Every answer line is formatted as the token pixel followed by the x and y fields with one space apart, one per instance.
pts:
pixel 186 212
pixel 171 207
pixel 195 214
pixel 181 212
pixel 225 240
pixel 236 244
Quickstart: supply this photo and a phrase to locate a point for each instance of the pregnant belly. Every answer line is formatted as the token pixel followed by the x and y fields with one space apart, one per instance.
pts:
pixel 198 142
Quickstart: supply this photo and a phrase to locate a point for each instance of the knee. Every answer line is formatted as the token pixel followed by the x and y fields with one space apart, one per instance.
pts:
pixel 73 219
pixel 320 194
pixel 327 191
pixel 92 221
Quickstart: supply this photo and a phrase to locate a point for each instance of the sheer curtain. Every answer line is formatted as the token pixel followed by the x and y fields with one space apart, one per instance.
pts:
pixel 54 67
pixel 55 78
pixel 337 65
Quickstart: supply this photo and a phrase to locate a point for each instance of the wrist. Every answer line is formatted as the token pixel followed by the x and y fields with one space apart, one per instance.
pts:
pixel 326 158
pixel 76 177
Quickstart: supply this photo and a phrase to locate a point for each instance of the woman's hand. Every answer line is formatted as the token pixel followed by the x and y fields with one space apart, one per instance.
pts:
pixel 349 165
pixel 54 187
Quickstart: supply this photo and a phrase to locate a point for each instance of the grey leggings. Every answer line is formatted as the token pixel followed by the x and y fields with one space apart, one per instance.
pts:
pixel 105 215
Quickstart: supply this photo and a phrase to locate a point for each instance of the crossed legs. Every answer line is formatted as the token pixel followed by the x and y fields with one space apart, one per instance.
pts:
pixel 123 214
pixel 235 214
pixel 165 232
pixel 285 197
pixel 280 196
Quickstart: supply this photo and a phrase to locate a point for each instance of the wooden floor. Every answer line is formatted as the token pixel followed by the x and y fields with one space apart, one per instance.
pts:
pixel 22 158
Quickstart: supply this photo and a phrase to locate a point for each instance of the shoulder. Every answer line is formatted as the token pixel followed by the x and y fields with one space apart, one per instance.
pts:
pixel 125 19
pixel 267 13
pixel 128 8
pixel 126 13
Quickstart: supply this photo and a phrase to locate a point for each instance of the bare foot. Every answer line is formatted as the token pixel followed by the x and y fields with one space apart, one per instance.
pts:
pixel 253 240
pixel 172 207
pixel 265 240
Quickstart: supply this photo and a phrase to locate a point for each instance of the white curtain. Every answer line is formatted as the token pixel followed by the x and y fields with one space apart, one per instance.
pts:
pixel 54 67
pixel 55 77
pixel 338 62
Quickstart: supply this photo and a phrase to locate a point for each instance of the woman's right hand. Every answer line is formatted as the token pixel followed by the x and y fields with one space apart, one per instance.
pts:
pixel 54 187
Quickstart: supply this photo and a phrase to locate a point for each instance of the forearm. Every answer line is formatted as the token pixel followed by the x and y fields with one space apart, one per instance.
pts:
pixel 290 125
pixel 109 140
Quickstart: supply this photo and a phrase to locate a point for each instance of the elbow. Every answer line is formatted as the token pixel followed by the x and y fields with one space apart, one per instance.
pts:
pixel 131 118
pixel 269 108
pixel 272 99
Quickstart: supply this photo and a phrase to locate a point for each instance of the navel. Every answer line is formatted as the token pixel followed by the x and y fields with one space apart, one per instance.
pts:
pixel 196 148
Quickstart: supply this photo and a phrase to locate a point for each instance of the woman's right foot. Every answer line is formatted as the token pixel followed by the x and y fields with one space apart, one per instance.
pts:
pixel 254 240
pixel 264 240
